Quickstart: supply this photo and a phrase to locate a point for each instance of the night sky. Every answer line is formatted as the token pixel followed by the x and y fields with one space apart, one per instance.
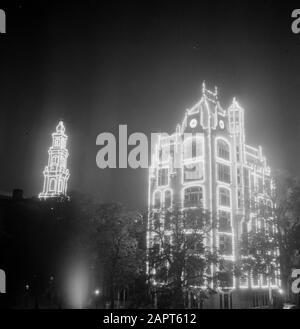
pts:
pixel 140 63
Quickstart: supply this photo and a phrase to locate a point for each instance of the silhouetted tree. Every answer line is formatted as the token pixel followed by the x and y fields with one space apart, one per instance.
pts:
pixel 180 258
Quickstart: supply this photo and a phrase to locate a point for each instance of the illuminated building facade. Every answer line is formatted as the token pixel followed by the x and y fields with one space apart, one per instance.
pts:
pixel 56 174
pixel 207 163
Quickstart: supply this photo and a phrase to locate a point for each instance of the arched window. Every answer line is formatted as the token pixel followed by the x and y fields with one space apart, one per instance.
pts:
pixel 224 197
pixel 52 184
pixel 168 199
pixel 193 196
pixel 223 150
pixel 157 200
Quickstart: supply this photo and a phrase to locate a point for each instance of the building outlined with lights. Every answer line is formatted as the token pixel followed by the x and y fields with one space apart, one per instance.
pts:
pixel 56 174
pixel 213 168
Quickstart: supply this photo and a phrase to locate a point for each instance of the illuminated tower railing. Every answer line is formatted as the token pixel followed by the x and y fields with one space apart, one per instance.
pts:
pixel 56 174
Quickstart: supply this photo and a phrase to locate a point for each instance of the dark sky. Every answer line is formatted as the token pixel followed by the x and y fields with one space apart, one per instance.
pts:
pixel 140 63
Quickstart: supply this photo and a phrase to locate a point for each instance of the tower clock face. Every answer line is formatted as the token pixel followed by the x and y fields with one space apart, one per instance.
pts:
pixel 193 123
pixel 221 124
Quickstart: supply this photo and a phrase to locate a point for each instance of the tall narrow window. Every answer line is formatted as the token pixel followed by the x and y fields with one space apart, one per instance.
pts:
pixel 260 185
pixel 246 177
pixel 224 221
pixel 168 199
pixel 162 176
pixel 238 153
pixel 239 199
pixel 157 199
pixel 223 150
pixel 225 244
pixel 224 197
pixel 193 196
pixel 238 175
pixel 223 172
pixel 60 186
pixel 54 162
pixel 252 182
pixel 52 184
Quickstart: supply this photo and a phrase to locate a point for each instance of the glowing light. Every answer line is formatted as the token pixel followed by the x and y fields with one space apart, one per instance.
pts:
pixel 76 284
pixel 97 292
pixel 56 174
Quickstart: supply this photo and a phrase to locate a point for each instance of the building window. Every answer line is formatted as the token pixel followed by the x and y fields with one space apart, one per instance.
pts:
pixel 224 221
pixel 52 184
pixel 192 148
pixel 239 199
pixel 193 171
pixel 60 186
pixel 252 182
pixel 160 152
pixel 54 161
pixel 238 154
pixel 168 199
pixel 156 220
pixel 223 150
pixel 246 177
pixel 268 186
pixel 238 175
pixel 193 197
pixel 157 200
pixel 225 244
pixel 223 173
pixel 234 120
pixel 260 185
pixel 165 152
pixel 224 197
pixel 162 176
pixel 225 273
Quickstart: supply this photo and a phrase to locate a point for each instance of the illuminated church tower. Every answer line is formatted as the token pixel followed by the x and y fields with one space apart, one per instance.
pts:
pixel 56 174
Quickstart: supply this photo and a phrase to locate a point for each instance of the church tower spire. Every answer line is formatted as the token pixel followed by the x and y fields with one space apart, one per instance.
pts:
pixel 56 174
